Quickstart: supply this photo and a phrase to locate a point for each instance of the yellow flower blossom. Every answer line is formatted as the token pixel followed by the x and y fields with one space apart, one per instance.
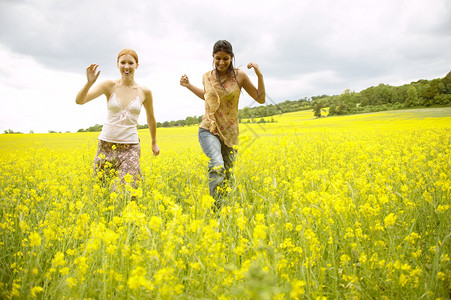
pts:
pixel 59 260
pixel 297 289
pixel 35 239
pixel 71 282
pixel 288 226
pixel 36 290
pixel 344 259
pixel 390 220
pixel 138 280
pixel 443 208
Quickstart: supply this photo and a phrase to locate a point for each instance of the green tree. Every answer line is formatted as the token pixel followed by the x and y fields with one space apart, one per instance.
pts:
pixel 191 120
pixel 412 97
pixel 317 107
pixel 441 88
pixel 9 131
pixel 332 110
pixel 429 91
pixel 342 109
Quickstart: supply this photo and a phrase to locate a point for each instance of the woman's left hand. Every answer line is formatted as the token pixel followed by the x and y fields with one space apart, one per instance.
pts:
pixel 256 68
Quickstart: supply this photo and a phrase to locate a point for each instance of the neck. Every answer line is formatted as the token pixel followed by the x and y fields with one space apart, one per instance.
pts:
pixel 127 81
pixel 220 73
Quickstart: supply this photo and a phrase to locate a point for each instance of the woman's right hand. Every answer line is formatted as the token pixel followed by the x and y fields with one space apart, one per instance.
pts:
pixel 184 81
pixel 92 74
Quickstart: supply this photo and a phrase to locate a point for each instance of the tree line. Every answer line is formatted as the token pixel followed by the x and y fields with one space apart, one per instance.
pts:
pixel 421 93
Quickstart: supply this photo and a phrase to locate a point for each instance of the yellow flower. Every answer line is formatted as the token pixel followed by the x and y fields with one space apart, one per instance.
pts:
pixel 111 249
pixel 442 208
pixel 138 280
pixel 403 279
pixel 113 196
pixel 58 260
pixel 241 222
pixel 35 290
pixel 71 252
pixel 128 178
pixel 65 271
pixel 138 192
pixel 344 259
pixel 35 239
pixel 390 220
pixel 71 282
pixel 82 266
pixel 297 289
pixel 195 266
pixel 259 217
pixel 288 226
pixel 155 223
pixel 260 232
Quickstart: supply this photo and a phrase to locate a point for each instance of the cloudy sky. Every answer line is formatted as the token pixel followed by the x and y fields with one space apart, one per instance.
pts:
pixel 304 48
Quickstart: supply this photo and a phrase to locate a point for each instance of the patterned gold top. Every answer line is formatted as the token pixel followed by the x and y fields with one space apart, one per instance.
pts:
pixel 221 108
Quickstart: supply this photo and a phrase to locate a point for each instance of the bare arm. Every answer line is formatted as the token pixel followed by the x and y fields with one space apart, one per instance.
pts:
pixel 87 94
pixel 258 94
pixel 151 122
pixel 184 81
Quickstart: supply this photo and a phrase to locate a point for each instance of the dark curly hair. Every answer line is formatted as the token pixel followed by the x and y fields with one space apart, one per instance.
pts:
pixel 225 46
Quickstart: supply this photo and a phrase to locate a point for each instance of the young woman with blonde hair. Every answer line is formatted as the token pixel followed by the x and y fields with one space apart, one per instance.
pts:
pixel 119 145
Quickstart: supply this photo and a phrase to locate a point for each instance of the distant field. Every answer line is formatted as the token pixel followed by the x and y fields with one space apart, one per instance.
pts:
pixel 299 120
pixel 349 207
pixel 306 119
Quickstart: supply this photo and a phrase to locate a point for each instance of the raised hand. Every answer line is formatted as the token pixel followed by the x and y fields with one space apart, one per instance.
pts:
pixel 92 74
pixel 184 81
pixel 256 68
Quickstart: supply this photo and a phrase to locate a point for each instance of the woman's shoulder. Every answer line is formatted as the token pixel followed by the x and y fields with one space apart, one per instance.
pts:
pixel 239 72
pixel 241 76
pixel 145 89
pixel 108 87
pixel 108 83
pixel 206 76
pixel 145 93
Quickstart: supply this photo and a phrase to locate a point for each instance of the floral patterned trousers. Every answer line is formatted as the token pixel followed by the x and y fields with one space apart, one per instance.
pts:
pixel 120 158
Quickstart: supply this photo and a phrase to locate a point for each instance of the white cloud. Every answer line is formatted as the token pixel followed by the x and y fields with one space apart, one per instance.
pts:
pixel 304 48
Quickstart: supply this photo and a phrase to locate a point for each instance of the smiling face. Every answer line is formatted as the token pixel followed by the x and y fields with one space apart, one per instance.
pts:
pixel 127 65
pixel 222 61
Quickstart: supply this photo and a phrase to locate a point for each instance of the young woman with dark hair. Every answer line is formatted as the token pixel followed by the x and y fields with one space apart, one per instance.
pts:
pixel 218 131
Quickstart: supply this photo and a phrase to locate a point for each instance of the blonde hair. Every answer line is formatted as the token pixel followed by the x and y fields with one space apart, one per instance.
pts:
pixel 128 51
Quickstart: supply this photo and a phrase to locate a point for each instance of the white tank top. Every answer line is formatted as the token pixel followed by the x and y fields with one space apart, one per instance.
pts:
pixel 120 125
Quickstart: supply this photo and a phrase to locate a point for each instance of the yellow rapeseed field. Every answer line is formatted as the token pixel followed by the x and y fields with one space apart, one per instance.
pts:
pixel 351 207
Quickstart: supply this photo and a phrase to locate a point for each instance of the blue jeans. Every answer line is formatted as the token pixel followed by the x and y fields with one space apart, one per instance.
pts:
pixel 221 161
